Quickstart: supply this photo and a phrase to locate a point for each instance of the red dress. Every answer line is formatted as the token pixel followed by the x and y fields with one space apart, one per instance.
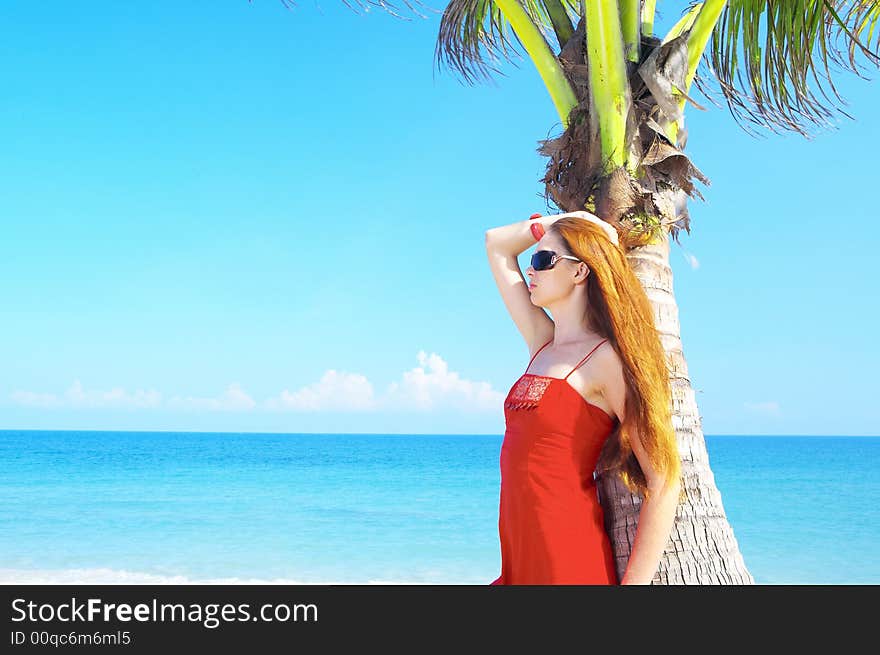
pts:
pixel 550 521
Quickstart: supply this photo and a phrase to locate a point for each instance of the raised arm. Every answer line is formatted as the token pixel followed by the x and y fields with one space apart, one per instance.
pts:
pixel 503 245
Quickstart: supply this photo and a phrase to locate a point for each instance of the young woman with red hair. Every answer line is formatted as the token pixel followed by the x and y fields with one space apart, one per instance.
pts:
pixel 595 396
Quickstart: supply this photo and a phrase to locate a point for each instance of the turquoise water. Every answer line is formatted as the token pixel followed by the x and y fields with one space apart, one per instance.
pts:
pixel 145 507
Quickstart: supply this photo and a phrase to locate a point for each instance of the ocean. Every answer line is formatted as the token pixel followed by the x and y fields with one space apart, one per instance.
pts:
pixel 192 508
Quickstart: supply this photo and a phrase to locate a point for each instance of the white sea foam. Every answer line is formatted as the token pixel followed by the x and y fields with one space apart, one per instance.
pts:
pixel 123 577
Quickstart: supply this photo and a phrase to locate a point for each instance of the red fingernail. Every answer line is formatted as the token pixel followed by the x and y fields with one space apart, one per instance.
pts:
pixel 534 216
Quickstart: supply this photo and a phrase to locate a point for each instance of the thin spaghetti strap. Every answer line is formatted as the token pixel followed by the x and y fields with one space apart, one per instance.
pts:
pixel 536 354
pixel 585 358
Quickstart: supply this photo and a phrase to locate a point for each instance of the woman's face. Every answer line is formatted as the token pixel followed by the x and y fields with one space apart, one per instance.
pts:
pixel 555 283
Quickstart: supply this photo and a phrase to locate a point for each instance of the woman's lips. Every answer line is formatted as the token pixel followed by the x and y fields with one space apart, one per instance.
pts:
pixel 532 286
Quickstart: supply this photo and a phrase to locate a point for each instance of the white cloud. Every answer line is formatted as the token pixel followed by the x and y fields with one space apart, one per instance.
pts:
pixel 33 399
pixel 692 260
pixel 766 407
pixel 77 397
pixel 430 386
pixel 233 399
pixel 337 391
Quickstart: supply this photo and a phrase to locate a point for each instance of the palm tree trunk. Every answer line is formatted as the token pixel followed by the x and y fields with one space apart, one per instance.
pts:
pixel 702 548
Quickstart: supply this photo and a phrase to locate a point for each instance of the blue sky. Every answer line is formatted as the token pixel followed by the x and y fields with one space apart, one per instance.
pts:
pixel 239 217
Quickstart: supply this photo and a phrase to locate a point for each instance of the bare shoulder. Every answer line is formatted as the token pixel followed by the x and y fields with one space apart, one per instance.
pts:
pixel 611 381
pixel 609 365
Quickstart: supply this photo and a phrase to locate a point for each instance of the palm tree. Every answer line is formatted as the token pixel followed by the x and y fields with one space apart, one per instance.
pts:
pixel 620 92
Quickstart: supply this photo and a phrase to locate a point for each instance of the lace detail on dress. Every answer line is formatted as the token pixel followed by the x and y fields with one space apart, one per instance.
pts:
pixel 526 393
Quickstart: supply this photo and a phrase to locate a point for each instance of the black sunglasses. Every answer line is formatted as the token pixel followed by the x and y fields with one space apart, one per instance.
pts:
pixel 543 260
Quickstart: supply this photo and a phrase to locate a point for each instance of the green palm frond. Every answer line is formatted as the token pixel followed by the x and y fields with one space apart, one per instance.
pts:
pixel 762 53
pixel 470 27
pixel 859 17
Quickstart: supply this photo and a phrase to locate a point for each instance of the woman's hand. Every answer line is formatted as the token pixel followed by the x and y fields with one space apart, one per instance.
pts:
pixel 609 230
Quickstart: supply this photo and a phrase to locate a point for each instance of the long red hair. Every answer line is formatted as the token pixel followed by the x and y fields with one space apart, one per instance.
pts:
pixel 620 311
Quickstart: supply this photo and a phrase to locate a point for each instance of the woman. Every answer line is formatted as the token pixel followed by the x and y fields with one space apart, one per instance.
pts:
pixel 594 396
